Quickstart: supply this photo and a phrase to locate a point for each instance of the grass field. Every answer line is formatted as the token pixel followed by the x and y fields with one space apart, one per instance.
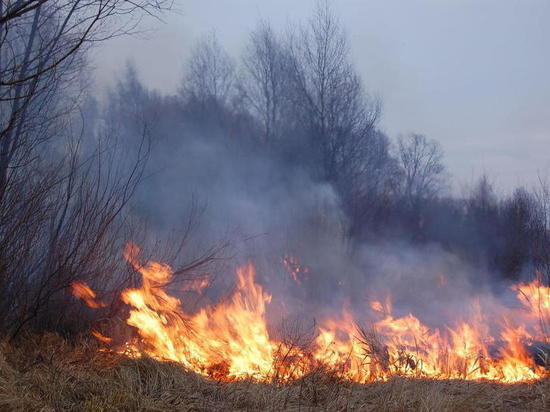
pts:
pixel 46 373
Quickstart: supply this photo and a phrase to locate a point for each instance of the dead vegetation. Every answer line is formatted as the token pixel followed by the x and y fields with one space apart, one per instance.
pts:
pixel 47 373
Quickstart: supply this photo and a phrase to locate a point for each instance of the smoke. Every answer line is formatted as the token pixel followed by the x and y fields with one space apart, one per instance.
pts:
pixel 268 209
pixel 309 204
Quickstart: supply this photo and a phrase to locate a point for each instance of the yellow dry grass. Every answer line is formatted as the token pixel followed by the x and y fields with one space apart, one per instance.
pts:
pixel 45 373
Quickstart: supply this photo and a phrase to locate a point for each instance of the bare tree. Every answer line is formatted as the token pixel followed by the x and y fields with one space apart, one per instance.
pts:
pixel 542 240
pixel 71 25
pixel 60 205
pixel 42 45
pixel 61 220
pixel 522 228
pixel 336 118
pixel 210 74
pixel 266 87
pixel 329 96
pixel 373 187
pixel 421 162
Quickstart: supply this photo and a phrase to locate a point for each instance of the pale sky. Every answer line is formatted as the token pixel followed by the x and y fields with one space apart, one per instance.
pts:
pixel 473 74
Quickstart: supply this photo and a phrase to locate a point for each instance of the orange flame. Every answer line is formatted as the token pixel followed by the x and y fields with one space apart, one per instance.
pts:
pixel 376 305
pixel 195 285
pixel 82 291
pixel 99 336
pixel 296 271
pixel 231 339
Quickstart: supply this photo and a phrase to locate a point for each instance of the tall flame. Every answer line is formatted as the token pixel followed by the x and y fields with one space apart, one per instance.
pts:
pixel 231 339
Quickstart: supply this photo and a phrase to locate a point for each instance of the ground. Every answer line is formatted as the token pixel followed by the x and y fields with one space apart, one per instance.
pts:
pixel 46 373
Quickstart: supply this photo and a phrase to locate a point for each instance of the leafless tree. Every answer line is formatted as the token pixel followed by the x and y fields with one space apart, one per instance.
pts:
pixel 329 96
pixel 542 240
pixel 61 206
pixel 421 162
pixel 61 221
pixel 42 45
pixel 266 62
pixel 210 74
pixel 71 25
pixel 523 226
pixel 373 187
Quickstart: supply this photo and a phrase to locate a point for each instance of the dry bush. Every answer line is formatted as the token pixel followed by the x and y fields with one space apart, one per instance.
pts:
pixel 60 207
pixel 63 217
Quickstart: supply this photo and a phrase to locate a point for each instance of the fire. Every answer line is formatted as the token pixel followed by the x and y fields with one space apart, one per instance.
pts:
pixel 99 336
pixel 232 340
pixel 535 297
pixel 82 291
pixel 229 340
pixel 196 285
pixel 376 305
pixel 296 271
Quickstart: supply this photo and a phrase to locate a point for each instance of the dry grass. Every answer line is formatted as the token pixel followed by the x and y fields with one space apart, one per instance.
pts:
pixel 46 373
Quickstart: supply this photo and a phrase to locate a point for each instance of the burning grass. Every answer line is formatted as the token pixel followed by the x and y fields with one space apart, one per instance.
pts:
pixel 231 340
pixel 45 372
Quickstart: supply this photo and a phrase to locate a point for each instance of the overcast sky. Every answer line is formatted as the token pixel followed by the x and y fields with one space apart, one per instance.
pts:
pixel 474 74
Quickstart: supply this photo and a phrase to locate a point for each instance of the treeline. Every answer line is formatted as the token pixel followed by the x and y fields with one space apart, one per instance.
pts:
pixel 295 98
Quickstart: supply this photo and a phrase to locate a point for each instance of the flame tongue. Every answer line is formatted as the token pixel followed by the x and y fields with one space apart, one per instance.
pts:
pixel 226 340
pixel 82 291
pixel 230 340
pixel 234 333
